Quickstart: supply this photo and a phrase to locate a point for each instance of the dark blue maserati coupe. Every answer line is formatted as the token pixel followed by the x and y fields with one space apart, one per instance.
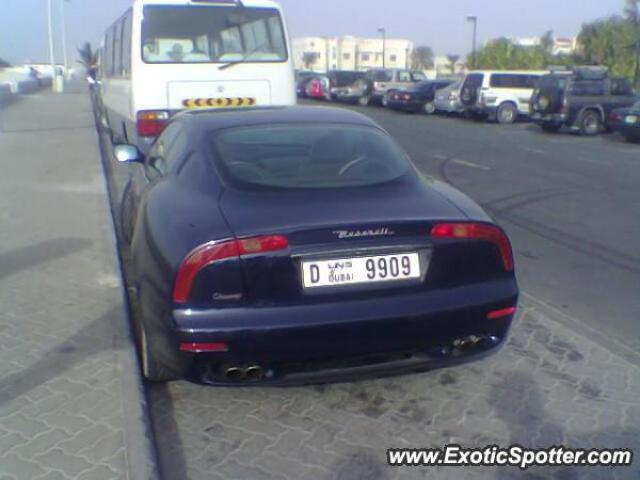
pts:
pixel 299 245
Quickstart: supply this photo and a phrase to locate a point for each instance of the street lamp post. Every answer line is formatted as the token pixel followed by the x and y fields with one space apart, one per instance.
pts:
pixel 64 39
pixel 51 57
pixel 383 31
pixel 474 19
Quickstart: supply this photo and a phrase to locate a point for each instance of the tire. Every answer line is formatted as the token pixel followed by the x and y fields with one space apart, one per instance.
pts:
pixel 507 113
pixel 590 123
pixel 429 108
pixel 159 359
pixel 364 101
pixel 127 215
pixel 550 127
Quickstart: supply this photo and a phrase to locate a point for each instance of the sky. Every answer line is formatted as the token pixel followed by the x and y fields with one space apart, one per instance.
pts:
pixel 439 24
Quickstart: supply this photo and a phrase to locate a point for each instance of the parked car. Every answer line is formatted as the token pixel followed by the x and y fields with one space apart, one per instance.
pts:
pixel 419 98
pixel 339 79
pixel 318 88
pixel 500 96
pixel 284 245
pixel 302 79
pixel 447 100
pixel 626 121
pixel 581 99
pixel 378 81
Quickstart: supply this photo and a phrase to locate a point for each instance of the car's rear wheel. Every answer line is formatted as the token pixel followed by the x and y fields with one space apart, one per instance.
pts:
pixel 429 108
pixel 550 127
pixel 590 123
pixel 127 215
pixel 158 358
pixel 507 113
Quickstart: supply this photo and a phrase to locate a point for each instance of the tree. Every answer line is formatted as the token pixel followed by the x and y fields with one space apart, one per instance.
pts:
pixel 4 63
pixel 453 59
pixel 309 59
pixel 88 57
pixel 547 41
pixel 612 42
pixel 632 14
pixel 422 58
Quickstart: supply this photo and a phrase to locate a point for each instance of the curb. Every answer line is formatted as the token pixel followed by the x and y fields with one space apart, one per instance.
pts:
pixel 140 444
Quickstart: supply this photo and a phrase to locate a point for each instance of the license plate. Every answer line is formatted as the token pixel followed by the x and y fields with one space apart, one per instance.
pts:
pixel 361 270
pixel 631 119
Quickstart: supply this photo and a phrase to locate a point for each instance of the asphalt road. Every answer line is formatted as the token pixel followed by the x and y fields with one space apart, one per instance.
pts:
pixel 570 204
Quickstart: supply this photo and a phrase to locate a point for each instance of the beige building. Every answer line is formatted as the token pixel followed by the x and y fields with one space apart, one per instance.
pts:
pixel 322 54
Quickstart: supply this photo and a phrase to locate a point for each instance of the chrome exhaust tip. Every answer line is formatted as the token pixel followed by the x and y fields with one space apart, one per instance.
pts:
pixel 254 373
pixel 234 373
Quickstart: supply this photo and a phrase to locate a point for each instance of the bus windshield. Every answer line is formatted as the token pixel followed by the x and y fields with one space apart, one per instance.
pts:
pixel 212 34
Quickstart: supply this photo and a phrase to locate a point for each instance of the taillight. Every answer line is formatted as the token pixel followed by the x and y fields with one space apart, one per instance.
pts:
pixel 453 97
pixel 478 231
pixel 497 314
pixel 407 96
pixel 209 253
pixel 151 123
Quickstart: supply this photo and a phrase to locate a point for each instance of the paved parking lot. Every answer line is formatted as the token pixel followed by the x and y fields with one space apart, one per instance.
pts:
pixel 569 374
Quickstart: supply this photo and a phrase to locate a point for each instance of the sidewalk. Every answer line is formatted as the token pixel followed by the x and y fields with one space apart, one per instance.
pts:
pixel 72 405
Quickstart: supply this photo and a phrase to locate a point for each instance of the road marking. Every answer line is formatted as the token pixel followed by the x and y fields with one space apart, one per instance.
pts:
pixel 439 156
pixel 470 164
pixel 534 150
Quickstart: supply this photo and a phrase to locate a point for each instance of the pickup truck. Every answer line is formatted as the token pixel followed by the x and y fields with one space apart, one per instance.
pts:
pixel 581 99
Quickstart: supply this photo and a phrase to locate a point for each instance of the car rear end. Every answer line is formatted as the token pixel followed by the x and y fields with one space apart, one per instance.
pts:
pixel 404 100
pixel 448 99
pixel 626 121
pixel 330 282
pixel 206 54
pixel 548 101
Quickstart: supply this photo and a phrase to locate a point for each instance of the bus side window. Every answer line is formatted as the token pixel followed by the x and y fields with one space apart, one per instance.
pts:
pixel 117 50
pixel 126 45
pixel 108 53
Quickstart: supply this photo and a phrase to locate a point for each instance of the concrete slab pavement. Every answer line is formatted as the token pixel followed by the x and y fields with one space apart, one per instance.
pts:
pixel 72 405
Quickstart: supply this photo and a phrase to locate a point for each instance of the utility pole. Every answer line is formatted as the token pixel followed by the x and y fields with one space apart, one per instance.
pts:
pixel 474 19
pixel 383 31
pixel 64 39
pixel 51 57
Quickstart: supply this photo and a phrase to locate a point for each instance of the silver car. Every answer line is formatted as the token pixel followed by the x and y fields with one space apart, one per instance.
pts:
pixel 447 99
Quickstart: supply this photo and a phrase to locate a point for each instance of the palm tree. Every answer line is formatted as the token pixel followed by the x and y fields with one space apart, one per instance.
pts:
pixel 88 57
pixel 309 59
pixel 453 59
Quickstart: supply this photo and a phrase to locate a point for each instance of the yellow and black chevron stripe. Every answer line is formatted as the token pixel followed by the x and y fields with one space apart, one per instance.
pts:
pixel 234 102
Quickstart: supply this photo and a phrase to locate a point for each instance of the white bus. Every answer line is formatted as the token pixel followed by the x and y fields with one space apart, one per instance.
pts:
pixel 163 56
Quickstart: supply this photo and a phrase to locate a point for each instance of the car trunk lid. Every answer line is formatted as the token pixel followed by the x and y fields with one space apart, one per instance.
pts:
pixel 337 224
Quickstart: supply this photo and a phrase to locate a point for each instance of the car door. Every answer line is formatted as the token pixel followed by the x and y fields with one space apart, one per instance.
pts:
pixel 621 95
pixel 162 156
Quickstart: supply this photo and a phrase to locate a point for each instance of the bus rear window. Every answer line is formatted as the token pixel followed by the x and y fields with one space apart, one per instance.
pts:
pixel 212 34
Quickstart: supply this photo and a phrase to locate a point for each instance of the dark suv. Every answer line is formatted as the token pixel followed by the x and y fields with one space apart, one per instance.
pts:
pixel 581 99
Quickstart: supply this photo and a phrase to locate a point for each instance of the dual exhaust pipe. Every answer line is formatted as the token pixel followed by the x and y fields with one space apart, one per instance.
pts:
pixel 251 373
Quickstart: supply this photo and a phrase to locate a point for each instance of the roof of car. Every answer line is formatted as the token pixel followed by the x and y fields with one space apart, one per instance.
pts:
pixel 216 118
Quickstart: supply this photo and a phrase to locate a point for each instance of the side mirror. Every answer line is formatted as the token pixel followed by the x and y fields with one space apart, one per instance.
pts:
pixel 127 154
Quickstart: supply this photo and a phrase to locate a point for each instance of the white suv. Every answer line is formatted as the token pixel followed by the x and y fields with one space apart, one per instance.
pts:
pixel 500 96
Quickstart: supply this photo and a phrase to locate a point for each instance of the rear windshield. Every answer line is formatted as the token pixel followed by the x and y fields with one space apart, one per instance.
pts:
pixel 308 156
pixel 418 76
pixel 552 81
pixel 207 34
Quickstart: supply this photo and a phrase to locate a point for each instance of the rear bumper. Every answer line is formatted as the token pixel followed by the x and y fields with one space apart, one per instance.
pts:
pixel 413 106
pixel 548 118
pixel 416 331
